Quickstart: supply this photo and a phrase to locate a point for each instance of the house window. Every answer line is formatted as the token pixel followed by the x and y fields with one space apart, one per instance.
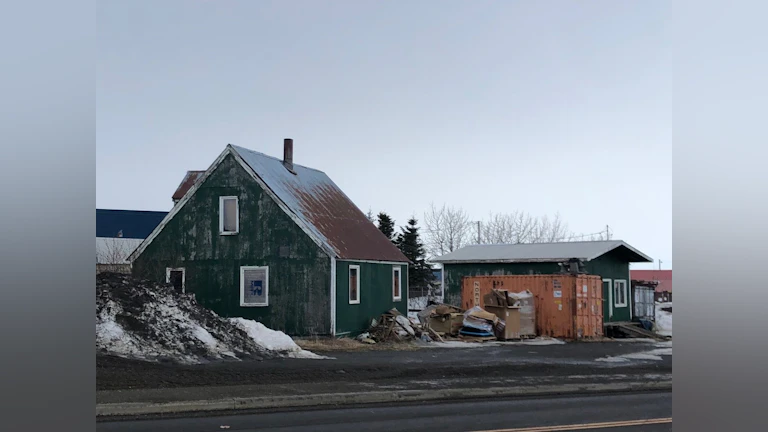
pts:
pixel 254 286
pixel 229 215
pixel 354 284
pixel 620 293
pixel 397 283
pixel 177 278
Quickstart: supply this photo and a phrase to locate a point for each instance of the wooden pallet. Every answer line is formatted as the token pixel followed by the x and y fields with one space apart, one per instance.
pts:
pixel 635 330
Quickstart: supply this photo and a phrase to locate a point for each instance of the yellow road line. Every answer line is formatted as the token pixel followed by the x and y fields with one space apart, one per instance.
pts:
pixel 586 426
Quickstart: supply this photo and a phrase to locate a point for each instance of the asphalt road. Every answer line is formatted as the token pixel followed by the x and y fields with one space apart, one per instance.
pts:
pixel 460 416
pixel 390 367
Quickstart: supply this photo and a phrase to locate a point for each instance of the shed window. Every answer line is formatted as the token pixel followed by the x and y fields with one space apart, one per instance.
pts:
pixel 229 215
pixel 177 278
pixel 396 284
pixel 254 286
pixel 620 293
pixel 354 284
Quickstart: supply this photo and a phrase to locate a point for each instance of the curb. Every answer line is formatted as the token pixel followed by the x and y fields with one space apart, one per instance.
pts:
pixel 325 399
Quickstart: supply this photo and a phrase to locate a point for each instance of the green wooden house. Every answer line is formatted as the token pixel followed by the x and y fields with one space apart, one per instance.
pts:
pixel 265 239
pixel 608 259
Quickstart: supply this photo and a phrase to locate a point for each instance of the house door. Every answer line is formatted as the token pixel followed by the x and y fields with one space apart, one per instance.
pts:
pixel 176 277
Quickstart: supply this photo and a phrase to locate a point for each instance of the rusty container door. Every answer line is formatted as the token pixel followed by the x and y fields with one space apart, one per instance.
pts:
pixel 554 298
pixel 588 314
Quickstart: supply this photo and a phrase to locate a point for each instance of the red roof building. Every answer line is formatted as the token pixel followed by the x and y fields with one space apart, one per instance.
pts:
pixel 664 277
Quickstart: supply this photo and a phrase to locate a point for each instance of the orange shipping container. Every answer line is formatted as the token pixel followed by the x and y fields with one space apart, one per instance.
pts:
pixel 567 306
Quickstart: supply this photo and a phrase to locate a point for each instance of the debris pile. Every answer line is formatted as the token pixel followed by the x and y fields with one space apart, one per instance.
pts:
pixel 505 316
pixel 392 326
pixel 479 324
pixel 143 320
pixel 516 310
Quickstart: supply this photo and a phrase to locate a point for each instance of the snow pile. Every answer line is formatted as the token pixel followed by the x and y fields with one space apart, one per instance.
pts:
pixel 143 320
pixel 272 340
pixel 664 319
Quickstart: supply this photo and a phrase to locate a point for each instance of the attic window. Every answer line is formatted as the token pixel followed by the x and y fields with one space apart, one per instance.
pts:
pixel 229 215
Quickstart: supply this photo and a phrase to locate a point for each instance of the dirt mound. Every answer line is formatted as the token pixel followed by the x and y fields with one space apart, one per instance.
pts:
pixel 143 320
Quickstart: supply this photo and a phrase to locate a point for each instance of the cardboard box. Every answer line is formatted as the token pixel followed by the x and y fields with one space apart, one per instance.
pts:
pixel 447 324
pixel 511 317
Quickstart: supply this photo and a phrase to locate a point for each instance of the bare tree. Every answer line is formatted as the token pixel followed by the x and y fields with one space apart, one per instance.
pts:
pixel 112 255
pixel 447 229
pixel 521 227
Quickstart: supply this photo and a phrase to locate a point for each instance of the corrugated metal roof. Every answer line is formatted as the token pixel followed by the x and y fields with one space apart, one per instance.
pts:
pixel 186 184
pixel 134 224
pixel 327 213
pixel 664 277
pixel 540 252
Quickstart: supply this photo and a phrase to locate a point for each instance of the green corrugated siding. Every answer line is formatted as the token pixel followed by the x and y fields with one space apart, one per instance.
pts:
pixel 375 295
pixel 299 283
pixel 607 266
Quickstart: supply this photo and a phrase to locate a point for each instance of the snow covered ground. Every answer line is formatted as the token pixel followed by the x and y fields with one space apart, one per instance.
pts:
pixel 663 319
pixel 141 320
pixel 660 349
pixel 539 341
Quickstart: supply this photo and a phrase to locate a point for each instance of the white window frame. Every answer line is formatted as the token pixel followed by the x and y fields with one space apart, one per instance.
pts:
pixel 610 297
pixel 349 281
pixel 243 269
pixel 221 215
pixel 399 278
pixel 183 271
pixel 624 293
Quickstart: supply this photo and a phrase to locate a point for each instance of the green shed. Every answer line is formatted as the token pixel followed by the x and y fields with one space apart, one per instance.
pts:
pixel 265 239
pixel 608 259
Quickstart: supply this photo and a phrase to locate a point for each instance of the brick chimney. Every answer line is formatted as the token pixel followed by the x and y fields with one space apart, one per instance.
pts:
pixel 288 154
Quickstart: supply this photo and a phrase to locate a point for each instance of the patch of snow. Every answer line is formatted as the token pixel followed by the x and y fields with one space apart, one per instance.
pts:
pixel 653 355
pixel 205 337
pixel 540 341
pixel 663 320
pixel 273 340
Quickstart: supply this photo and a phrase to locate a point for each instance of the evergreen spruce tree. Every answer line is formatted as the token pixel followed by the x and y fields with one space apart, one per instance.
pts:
pixel 420 275
pixel 386 225
pixel 369 216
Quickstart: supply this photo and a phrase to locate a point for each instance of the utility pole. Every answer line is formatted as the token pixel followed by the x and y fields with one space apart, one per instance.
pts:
pixel 607 232
pixel 478 232
pixel 659 265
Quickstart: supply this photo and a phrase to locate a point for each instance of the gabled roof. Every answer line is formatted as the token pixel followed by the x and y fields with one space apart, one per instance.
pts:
pixel 313 201
pixel 186 184
pixel 540 252
pixel 134 224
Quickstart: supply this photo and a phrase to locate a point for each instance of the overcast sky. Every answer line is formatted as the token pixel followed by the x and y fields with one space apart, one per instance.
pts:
pixel 497 106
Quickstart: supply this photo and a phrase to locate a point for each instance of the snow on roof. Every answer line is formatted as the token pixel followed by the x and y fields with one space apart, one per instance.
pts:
pixel 325 211
pixel 540 252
